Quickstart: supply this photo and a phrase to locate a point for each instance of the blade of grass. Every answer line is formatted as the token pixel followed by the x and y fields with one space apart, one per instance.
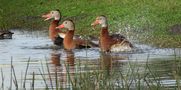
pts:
pixel 11 77
pixel 24 84
pixel 15 80
pixel 43 77
pixel 146 67
pixel 68 74
pixel 153 75
pixel 2 78
pixel 56 79
pixel 147 82
pixel 133 74
pixel 43 71
pixel 49 73
pixel 33 82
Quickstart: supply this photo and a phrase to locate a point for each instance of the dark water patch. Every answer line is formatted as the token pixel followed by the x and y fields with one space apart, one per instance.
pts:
pixel 44 47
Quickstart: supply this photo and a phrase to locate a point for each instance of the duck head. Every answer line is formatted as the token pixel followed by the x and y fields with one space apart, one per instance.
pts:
pixel 52 14
pixel 67 24
pixel 100 20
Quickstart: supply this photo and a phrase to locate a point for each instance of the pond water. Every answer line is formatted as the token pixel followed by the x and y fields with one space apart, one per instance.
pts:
pixel 45 59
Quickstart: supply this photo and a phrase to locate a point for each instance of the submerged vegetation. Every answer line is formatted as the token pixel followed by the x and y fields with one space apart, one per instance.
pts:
pixel 149 20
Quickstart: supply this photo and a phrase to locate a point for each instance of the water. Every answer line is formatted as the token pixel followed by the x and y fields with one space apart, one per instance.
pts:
pixel 37 47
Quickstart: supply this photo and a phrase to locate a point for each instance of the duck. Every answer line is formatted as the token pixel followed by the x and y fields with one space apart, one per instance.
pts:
pixel 54 34
pixel 72 41
pixel 110 43
pixel 6 34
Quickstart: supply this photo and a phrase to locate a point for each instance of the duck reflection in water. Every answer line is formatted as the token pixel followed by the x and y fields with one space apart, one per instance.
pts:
pixel 64 71
pixel 108 61
pixel 70 58
pixel 55 58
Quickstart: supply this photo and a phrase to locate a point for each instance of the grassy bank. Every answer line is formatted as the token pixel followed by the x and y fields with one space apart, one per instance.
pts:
pixel 151 18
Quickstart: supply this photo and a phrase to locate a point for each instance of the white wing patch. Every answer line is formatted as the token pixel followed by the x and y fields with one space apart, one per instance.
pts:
pixel 121 47
pixel 62 35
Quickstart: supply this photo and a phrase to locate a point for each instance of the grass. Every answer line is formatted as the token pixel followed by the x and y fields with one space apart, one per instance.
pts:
pixel 150 17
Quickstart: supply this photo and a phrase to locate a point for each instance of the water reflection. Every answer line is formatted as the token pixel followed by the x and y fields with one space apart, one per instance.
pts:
pixel 64 70
pixel 55 58
pixel 70 58
pixel 106 61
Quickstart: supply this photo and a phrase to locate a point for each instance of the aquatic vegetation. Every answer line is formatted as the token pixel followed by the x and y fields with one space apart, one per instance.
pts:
pixel 135 75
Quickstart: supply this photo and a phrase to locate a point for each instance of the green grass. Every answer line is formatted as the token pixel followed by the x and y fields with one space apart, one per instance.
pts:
pixel 151 16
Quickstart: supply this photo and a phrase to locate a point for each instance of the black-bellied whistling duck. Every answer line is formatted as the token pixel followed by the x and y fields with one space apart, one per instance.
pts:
pixel 53 33
pixel 113 43
pixel 70 41
pixel 5 34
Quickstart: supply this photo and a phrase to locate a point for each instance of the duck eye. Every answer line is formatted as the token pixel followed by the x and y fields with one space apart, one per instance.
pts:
pixel 100 18
pixel 65 22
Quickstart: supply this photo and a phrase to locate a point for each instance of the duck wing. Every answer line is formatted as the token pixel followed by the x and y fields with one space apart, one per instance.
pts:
pixel 117 37
pixel 80 42
pixel 85 43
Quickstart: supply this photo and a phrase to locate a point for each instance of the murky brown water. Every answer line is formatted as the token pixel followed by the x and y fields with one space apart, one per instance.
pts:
pixel 39 49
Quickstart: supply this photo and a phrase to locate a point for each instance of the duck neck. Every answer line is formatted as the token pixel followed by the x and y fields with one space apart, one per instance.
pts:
pixel 104 32
pixel 105 39
pixel 54 24
pixel 52 29
pixel 69 35
pixel 68 40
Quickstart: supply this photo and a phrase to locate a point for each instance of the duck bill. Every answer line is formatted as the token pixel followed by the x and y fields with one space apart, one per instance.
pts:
pixel 46 16
pixel 94 24
pixel 60 26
